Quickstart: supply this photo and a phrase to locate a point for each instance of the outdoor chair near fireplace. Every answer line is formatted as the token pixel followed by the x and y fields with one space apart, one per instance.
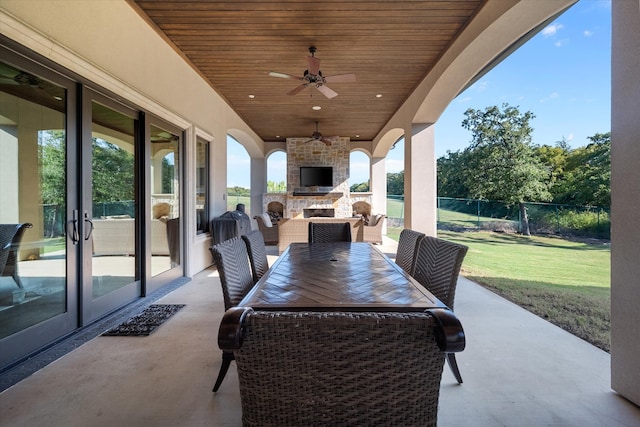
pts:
pixel 329 232
pixel 269 231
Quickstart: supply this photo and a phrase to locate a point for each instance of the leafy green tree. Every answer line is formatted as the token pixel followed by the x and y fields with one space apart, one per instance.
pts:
pixel 395 183
pixel 363 187
pixel 586 179
pixel 502 164
pixel 113 173
pixel 451 182
pixel 555 158
pixel 53 183
pixel 168 174
pixel 238 191
pixel 276 187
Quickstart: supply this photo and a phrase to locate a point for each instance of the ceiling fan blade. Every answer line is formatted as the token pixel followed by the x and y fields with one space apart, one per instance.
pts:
pixel 313 65
pixel 341 78
pixel 8 81
pixel 284 75
pixel 329 93
pixel 297 89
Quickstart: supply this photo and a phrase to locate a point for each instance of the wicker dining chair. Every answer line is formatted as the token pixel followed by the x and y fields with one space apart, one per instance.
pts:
pixel 437 268
pixel 232 261
pixel 327 232
pixel 10 238
pixel 257 253
pixel 339 368
pixel 407 248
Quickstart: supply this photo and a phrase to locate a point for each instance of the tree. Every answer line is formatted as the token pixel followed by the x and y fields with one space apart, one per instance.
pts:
pixel 113 173
pixel 586 179
pixel 502 164
pixel 395 183
pixel 450 181
pixel 363 187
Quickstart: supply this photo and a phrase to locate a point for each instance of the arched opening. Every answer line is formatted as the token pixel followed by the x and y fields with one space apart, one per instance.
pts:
pixel 277 172
pixel 359 172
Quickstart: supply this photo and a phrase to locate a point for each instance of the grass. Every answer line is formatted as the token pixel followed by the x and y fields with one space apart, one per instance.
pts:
pixel 565 282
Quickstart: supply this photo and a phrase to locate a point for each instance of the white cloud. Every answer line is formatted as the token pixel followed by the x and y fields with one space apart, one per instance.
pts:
pixel 552 29
pixel 481 86
pixel 464 100
pixel 553 95
pixel 570 137
pixel 587 33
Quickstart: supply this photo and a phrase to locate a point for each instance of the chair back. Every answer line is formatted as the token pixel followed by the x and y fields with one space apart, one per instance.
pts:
pixel 437 267
pixel 407 248
pixel 232 261
pixel 10 238
pixel 327 232
pixel 257 253
pixel 339 368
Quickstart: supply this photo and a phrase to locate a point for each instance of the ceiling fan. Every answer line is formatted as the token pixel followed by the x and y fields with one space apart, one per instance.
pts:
pixel 317 136
pixel 313 77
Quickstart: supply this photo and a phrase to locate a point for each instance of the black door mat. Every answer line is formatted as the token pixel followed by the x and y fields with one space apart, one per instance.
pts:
pixel 145 323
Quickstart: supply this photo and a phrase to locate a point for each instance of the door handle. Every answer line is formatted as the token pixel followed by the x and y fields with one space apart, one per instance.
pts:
pixel 87 220
pixel 75 237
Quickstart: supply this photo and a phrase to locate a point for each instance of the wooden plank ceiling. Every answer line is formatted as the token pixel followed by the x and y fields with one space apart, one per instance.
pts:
pixel 389 45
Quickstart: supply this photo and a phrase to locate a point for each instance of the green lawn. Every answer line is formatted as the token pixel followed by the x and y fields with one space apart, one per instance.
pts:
pixel 565 282
pixel 232 201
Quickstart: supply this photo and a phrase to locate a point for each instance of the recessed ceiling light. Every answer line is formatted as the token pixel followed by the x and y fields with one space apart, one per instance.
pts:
pixel 357 136
pixel 316 107
pixel 252 96
pixel 57 98
pixel 379 95
pixel 277 136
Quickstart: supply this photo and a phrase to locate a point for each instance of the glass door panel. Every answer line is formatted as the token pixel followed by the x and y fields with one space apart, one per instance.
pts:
pixel 36 304
pixel 165 200
pixel 113 188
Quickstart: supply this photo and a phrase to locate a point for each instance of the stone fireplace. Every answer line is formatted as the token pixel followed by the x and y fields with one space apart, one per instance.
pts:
pixel 306 202
pixel 319 212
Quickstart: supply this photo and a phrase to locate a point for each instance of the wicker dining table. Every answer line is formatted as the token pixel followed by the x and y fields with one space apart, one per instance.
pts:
pixel 339 276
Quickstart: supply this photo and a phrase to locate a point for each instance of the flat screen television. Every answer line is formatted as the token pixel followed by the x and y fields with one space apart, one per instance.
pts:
pixel 316 176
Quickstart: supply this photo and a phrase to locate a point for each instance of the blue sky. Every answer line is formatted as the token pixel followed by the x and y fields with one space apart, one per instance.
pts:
pixel 562 75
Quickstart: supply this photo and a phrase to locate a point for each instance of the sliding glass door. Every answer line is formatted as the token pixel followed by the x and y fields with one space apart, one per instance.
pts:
pixel 38 254
pixel 164 190
pixel 109 215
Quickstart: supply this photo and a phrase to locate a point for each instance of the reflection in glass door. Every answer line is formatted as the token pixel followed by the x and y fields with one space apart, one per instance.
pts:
pixel 111 225
pixel 36 304
pixel 165 200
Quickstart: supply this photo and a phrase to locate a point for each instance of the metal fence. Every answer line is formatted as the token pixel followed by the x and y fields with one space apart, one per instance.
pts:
pixel 544 218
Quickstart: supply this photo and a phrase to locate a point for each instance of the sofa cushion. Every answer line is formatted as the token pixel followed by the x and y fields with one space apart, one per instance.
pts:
pixel 267 220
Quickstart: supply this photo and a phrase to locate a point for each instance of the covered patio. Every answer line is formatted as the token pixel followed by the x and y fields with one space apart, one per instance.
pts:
pixel 522 371
pixel 518 369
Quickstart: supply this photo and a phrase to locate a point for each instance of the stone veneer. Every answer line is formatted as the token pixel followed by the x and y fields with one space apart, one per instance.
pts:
pixel 315 153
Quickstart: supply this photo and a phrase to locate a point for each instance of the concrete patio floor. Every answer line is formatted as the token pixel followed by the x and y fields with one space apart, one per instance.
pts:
pixel 518 370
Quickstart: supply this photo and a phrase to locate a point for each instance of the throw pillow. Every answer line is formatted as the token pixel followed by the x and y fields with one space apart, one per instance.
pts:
pixel 266 219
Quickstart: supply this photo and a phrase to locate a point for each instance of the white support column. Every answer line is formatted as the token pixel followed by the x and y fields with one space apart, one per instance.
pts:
pixel 625 199
pixel 420 192
pixel 258 184
pixel 378 174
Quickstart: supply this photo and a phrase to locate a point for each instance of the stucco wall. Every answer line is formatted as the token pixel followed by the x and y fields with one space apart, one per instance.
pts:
pixel 625 203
